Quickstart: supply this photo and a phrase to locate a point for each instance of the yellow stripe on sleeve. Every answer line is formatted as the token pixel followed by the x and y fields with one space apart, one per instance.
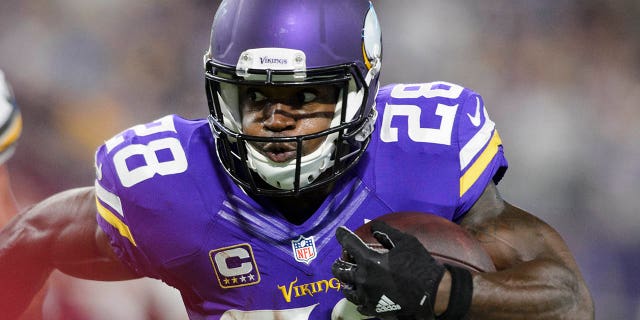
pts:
pixel 113 220
pixel 478 167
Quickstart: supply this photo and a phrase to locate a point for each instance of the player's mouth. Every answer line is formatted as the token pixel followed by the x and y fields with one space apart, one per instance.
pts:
pixel 279 152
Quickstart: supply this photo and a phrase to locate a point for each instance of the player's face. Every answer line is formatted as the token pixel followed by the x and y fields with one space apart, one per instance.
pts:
pixel 269 111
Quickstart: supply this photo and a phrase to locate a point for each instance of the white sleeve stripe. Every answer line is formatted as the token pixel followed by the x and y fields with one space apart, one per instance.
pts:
pixel 478 142
pixel 109 198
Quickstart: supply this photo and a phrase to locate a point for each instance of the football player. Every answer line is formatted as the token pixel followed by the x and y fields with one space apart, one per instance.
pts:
pixel 246 212
pixel 10 129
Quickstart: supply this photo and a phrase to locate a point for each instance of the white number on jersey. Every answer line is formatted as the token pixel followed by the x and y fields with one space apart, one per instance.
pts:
pixel 447 113
pixel 130 177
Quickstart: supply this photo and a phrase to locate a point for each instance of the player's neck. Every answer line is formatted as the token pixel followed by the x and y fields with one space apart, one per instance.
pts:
pixel 297 209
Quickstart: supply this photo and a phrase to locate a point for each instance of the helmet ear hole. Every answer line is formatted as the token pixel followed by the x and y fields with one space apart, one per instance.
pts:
pixel 310 178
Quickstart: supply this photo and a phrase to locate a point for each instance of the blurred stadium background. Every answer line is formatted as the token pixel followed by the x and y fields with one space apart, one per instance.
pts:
pixel 561 79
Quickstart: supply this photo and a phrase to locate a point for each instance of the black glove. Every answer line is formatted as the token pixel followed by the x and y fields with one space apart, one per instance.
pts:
pixel 401 282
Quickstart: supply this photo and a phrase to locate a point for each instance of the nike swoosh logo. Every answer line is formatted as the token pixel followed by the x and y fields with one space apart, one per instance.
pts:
pixel 475 119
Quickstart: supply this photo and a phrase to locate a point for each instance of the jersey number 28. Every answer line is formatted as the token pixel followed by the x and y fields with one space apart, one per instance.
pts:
pixel 177 162
pixel 441 135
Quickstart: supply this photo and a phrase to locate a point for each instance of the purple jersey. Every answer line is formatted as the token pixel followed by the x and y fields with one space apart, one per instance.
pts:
pixel 173 213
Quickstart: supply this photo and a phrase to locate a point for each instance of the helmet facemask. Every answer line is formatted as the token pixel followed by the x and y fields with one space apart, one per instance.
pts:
pixel 344 141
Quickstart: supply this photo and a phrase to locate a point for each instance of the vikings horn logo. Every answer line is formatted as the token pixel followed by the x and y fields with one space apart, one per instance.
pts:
pixel 372 40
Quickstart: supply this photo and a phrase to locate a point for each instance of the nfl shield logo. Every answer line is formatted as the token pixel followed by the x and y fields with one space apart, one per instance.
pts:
pixel 304 249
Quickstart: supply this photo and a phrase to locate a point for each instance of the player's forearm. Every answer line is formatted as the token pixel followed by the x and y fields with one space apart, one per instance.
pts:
pixel 59 230
pixel 539 289
pixel 8 206
pixel 24 266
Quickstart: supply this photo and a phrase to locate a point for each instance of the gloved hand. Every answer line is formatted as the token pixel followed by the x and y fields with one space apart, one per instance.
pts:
pixel 10 121
pixel 399 283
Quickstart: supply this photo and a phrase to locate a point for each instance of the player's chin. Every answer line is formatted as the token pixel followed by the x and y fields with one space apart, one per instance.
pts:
pixel 310 146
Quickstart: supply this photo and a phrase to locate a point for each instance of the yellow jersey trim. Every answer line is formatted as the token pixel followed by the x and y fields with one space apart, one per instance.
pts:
pixel 113 220
pixel 477 168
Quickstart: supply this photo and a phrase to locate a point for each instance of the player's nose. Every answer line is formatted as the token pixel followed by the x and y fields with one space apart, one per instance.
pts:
pixel 278 118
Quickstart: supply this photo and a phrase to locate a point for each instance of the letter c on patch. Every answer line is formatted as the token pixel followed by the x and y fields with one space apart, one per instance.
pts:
pixel 223 267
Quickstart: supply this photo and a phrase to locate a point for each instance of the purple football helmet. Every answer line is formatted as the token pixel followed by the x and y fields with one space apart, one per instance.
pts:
pixel 293 43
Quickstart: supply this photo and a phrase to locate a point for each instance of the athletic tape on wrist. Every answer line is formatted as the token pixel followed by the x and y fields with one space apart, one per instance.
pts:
pixel 461 293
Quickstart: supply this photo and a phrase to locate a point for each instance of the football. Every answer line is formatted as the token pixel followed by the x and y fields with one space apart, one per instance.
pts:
pixel 446 241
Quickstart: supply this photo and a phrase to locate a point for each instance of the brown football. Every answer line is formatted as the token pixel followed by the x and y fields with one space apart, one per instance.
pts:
pixel 446 241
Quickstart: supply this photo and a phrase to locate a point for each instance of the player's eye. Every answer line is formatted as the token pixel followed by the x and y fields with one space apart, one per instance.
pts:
pixel 307 96
pixel 256 96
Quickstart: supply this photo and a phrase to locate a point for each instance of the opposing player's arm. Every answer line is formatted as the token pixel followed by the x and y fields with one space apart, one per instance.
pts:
pixel 60 232
pixel 537 276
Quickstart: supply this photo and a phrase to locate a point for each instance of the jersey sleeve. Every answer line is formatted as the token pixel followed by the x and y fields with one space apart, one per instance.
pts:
pixel 127 170
pixel 437 149
pixel 111 200
pixel 481 152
